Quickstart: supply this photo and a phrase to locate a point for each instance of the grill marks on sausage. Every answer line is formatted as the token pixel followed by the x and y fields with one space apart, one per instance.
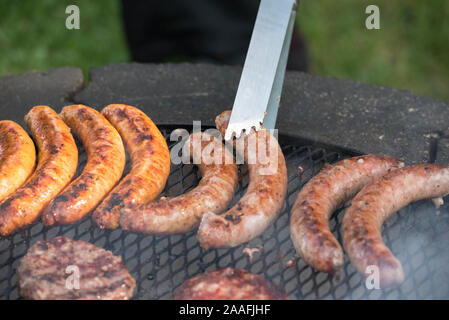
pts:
pixel 17 157
pixel 145 137
pixel 74 192
pixel 42 272
pixel 138 125
pixel 57 161
pixel 113 201
pixel 172 215
pixel 104 167
pixel 56 149
pixel 122 114
pixel 150 160
pixel 235 219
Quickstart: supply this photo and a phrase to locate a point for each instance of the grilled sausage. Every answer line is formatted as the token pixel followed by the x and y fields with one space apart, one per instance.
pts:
pixel 229 284
pixel 57 161
pixel 361 228
pixel 264 197
pixel 150 160
pixel 17 157
pixel 320 197
pixel 183 213
pixel 103 169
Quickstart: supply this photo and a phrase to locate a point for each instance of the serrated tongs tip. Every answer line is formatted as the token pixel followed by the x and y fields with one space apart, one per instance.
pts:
pixel 235 130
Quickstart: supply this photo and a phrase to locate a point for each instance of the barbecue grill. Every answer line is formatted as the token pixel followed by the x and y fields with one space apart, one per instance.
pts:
pixel 417 235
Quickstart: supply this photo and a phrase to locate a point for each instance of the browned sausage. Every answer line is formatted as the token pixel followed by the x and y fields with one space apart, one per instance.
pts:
pixel 57 162
pixel 17 157
pixel 150 160
pixel 263 199
pixel 320 197
pixel 229 284
pixel 361 228
pixel 183 213
pixel 103 169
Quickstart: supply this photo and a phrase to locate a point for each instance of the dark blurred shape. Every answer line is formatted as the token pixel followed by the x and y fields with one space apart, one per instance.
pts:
pixel 216 31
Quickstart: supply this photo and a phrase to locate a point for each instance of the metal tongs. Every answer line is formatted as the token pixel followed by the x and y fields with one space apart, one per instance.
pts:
pixel 257 101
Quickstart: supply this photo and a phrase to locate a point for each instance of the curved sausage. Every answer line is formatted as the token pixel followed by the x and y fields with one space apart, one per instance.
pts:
pixel 57 162
pixel 328 191
pixel 361 228
pixel 17 157
pixel 150 160
pixel 103 169
pixel 263 199
pixel 229 284
pixel 183 213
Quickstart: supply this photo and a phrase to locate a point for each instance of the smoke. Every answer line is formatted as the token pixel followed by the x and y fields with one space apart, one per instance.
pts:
pixel 418 236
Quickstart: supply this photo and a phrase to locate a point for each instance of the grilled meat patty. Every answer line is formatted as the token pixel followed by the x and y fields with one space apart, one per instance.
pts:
pixel 50 268
pixel 229 284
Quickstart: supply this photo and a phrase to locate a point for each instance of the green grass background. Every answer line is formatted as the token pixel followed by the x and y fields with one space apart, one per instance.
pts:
pixel 410 51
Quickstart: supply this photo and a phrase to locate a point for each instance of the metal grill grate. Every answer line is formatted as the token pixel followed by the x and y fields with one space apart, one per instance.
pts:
pixel 417 235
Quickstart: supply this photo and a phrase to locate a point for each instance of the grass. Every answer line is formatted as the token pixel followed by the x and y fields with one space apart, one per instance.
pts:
pixel 33 35
pixel 410 51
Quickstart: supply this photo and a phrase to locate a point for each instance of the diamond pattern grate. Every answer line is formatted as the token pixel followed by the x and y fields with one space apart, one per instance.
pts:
pixel 417 235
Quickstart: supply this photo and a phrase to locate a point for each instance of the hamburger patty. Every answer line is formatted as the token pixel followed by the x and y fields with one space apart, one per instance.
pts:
pixel 229 284
pixel 62 268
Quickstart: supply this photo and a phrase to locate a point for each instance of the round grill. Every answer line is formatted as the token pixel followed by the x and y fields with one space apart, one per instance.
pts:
pixel 418 235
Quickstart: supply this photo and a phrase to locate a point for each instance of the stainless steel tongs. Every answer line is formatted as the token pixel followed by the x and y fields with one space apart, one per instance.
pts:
pixel 257 101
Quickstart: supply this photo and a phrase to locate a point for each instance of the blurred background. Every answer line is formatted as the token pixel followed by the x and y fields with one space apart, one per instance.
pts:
pixel 410 51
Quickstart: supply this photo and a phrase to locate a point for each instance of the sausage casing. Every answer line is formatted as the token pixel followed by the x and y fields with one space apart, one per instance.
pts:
pixel 57 162
pixel 180 214
pixel 103 169
pixel 17 157
pixel 362 223
pixel 263 199
pixel 320 197
pixel 150 163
